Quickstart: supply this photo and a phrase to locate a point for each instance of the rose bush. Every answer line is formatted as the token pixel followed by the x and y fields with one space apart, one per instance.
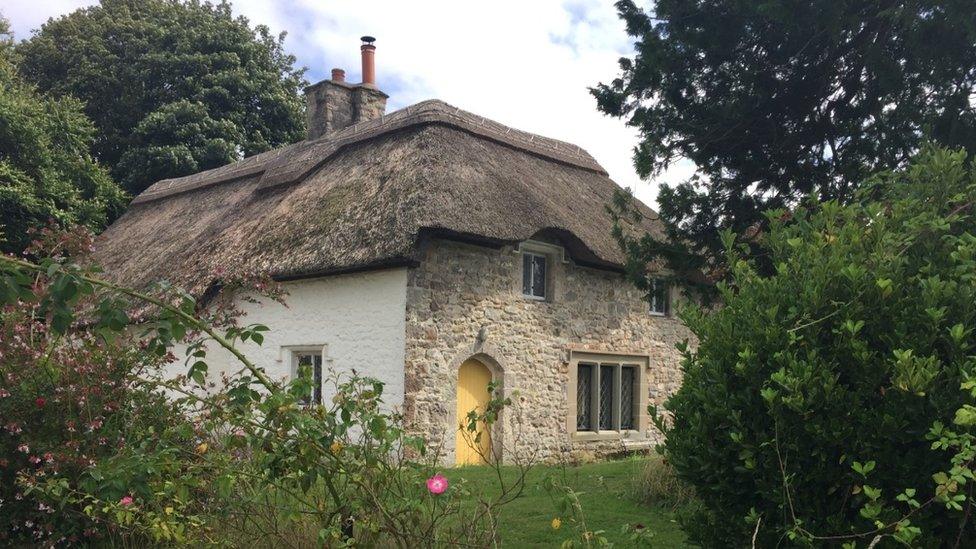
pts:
pixel 71 403
pixel 97 444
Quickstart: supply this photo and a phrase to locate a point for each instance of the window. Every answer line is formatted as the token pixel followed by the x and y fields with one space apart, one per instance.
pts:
pixel 534 275
pixel 608 393
pixel 584 378
pixel 608 402
pixel 311 360
pixel 628 375
pixel 659 297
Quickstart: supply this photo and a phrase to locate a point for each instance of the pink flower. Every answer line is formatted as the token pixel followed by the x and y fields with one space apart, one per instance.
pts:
pixel 40 401
pixel 126 501
pixel 437 484
pixel 23 448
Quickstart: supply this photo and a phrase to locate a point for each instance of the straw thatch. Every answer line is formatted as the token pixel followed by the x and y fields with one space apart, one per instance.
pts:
pixel 363 198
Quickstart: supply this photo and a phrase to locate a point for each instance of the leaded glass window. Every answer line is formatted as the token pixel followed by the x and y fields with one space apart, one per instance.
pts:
pixel 628 377
pixel 606 397
pixel 584 397
pixel 313 362
pixel 534 275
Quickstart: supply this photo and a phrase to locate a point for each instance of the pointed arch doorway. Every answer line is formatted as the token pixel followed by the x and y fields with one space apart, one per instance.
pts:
pixel 472 394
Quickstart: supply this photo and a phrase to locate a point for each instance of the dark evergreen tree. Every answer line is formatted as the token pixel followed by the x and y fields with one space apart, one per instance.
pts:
pixel 778 99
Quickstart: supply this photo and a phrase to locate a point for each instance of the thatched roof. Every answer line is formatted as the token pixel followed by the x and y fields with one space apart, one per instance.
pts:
pixel 362 198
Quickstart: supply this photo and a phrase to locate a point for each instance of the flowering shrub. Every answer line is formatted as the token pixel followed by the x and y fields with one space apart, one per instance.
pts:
pixel 69 404
pixel 96 449
pixel 437 484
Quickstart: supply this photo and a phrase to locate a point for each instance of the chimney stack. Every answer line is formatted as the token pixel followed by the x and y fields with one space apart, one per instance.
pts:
pixel 335 104
pixel 368 51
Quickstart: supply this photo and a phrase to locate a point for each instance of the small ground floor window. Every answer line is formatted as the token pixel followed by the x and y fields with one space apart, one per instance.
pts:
pixel 311 360
pixel 606 395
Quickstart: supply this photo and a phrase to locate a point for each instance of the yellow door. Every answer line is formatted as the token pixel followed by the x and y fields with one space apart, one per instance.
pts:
pixel 472 394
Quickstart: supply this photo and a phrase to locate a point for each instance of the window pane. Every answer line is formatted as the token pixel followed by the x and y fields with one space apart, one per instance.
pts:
pixel 659 296
pixel 584 400
pixel 312 361
pixel 526 274
pixel 606 398
pixel 628 379
pixel 539 276
pixel 317 379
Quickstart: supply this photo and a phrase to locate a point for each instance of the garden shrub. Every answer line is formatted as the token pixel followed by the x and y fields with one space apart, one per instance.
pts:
pixel 71 407
pixel 830 403
pixel 97 447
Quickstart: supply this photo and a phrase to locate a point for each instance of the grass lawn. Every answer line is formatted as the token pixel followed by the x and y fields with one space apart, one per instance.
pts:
pixel 607 499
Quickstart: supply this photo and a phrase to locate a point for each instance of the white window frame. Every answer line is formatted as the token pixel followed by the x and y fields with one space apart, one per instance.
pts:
pixel 553 253
pixel 640 419
pixel 652 302
pixel 294 353
pixel 545 279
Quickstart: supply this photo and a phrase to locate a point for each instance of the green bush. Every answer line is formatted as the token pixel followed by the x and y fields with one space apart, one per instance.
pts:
pixel 823 404
pixel 93 452
pixel 47 172
pixel 77 426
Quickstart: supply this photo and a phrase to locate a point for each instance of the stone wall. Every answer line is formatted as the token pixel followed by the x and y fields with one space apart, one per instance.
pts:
pixel 332 106
pixel 466 301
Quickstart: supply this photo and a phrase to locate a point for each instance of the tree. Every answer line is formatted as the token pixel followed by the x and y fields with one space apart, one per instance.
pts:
pixel 776 100
pixel 46 169
pixel 174 87
pixel 834 397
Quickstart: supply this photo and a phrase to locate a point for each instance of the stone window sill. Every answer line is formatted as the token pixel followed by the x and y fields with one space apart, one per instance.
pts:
pixel 592 436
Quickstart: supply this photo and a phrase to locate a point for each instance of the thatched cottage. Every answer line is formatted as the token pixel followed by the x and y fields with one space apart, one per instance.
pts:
pixel 430 248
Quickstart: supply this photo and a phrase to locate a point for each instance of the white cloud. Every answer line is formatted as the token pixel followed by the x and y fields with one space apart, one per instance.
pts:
pixel 524 63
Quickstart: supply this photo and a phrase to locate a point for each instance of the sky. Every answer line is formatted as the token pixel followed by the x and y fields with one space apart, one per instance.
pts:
pixel 524 63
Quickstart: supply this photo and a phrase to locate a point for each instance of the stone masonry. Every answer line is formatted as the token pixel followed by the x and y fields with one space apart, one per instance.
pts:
pixel 466 301
pixel 334 105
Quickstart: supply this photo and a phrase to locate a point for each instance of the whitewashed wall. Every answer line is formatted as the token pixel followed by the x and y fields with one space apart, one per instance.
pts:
pixel 357 319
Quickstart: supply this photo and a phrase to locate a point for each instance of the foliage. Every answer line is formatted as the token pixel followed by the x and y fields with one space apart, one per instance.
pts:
pixel 245 462
pixel 352 470
pixel 776 100
pixel 46 169
pixel 174 87
pixel 830 402
pixel 74 415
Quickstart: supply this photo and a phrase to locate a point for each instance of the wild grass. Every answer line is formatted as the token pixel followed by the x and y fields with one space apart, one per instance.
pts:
pixel 608 496
pixel 656 484
pixel 636 492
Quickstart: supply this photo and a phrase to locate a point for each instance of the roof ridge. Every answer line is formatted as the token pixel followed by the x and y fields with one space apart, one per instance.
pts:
pixel 293 162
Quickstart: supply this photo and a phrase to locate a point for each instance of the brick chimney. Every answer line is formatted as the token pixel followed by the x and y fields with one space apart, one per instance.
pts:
pixel 335 104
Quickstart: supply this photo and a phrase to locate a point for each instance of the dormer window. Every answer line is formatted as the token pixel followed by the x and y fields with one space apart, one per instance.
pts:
pixel 534 271
pixel 659 297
